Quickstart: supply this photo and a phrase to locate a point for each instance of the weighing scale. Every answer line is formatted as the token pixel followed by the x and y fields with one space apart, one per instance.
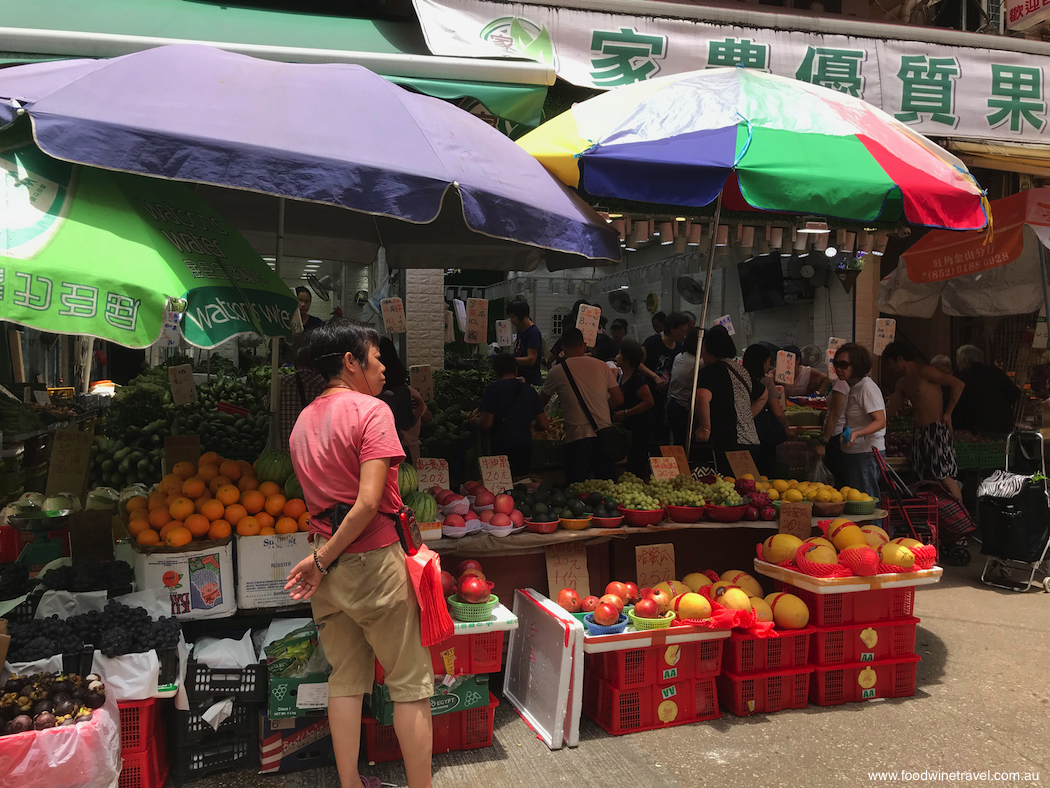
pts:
pixel 44 549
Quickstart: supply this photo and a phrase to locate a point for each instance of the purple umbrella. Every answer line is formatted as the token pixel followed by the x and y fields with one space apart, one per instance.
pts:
pixel 333 134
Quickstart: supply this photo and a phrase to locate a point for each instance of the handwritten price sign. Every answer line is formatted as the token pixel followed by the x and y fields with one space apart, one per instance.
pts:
pixel 495 473
pixel 678 453
pixel 169 330
pixel 422 380
pixel 432 470
pixel 785 374
pixel 664 467
pixel 393 315
pixel 885 332
pixel 477 330
pixel 183 389
pixel 70 461
pixel 567 568
pixel 796 519
pixel 727 322
pixel 654 563
pixel 587 322
pixel 504 333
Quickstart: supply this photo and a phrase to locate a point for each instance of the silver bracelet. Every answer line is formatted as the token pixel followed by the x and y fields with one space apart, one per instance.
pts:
pixel 317 563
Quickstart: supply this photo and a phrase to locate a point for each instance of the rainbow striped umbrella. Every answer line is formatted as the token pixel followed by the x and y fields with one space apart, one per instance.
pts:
pixel 761 141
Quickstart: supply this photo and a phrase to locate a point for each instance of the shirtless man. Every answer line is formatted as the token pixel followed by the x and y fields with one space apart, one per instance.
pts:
pixel 932 447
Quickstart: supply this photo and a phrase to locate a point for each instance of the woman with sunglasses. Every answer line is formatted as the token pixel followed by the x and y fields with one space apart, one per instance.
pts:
pixel 865 419
pixel 830 447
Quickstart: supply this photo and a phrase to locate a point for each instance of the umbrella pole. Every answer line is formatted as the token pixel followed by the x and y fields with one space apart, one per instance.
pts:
pixel 703 322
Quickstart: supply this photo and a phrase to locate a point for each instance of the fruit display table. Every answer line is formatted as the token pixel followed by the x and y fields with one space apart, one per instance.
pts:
pixel 842 585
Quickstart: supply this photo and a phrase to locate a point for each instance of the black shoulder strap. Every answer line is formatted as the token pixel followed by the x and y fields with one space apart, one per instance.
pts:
pixel 579 396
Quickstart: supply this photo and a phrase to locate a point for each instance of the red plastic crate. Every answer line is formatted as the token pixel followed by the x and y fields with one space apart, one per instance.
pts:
pixel 892 678
pixel 764 692
pixel 863 643
pixel 785 649
pixel 138 724
pixel 460 730
pixel 470 654
pixel 855 607
pixel 147 768
pixel 648 708
pixel 640 667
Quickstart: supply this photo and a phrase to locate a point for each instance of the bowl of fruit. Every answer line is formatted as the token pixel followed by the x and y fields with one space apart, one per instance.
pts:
pixel 606 513
pixel 685 514
pixel 725 513
pixel 543 526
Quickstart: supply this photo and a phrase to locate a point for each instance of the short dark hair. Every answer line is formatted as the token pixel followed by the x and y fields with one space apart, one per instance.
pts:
pixel 632 352
pixel 604 348
pixel 518 308
pixel 675 320
pixel 661 316
pixel 755 359
pixel 718 343
pixel 330 343
pixel 898 349
pixel 692 339
pixel 571 338
pixel 396 375
pixel 619 323
pixel 504 364
pixel 300 290
pixel 859 358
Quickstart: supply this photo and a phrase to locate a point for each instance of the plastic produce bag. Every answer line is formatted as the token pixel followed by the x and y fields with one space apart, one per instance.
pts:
pixel 85 755
pixel 129 676
pixel 820 474
pixel 228 653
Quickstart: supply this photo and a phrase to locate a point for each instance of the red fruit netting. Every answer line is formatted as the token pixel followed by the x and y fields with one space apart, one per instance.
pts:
pixel 925 556
pixel 460 507
pixel 711 575
pixel 815 569
pixel 722 617
pixel 863 561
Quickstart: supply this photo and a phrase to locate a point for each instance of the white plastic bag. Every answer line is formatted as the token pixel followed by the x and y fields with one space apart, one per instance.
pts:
pixel 820 474
pixel 129 676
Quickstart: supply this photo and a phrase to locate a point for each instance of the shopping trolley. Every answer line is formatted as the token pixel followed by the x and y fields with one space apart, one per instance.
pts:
pixel 1015 524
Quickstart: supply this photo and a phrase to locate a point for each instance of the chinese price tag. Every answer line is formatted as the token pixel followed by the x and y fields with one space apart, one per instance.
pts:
pixel 70 461
pixel 495 473
pixel 169 330
pixel 461 314
pixel 796 519
pixel 422 380
pixel 664 467
pixel 477 332
pixel 834 343
pixel 42 397
pixel 727 321
pixel 450 327
pixel 785 373
pixel 393 315
pixel 742 463
pixel 567 568
pixel 678 452
pixel 432 470
pixel 587 322
pixel 1039 341
pixel 183 389
pixel 181 448
pixel 504 333
pixel 885 332
pixel 654 563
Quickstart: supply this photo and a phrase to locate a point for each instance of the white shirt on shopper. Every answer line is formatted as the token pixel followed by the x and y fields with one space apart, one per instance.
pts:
pixel 865 397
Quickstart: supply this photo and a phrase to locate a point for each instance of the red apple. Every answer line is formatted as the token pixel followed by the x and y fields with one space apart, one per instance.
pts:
pixel 500 520
pixel 588 603
pixel 645 593
pixel 472 486
pixel 469 563
pixel 617 589
pixel 605 615
pixel 504 503
pixel 448 584
pixel 662 600
pixel 483 497
pixel 632 593
pixel 444 496
pixel 485 515
pixel 454 521
pixel 612 599
pixel 517 518
pixel 474 590
pixel 569 599
pixel 646 608
pixel 435 490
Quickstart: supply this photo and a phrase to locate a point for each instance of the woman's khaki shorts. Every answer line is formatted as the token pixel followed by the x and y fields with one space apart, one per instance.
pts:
pixel 366 608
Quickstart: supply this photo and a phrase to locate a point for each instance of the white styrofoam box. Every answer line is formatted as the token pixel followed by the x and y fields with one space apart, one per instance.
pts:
pixel 263 564
pixel 200 582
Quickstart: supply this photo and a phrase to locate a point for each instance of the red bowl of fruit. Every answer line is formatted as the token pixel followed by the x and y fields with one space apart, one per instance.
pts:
pixel 606 522
pixel 725 514
pixel 642 517
pixel 685 514
pixel 543 528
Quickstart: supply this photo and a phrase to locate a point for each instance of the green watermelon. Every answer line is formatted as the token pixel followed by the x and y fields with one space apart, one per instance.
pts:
pixel 407 479
pixel 292 488
pixel 274 466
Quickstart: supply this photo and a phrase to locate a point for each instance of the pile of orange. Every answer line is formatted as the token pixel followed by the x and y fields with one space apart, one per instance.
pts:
pixel 213 499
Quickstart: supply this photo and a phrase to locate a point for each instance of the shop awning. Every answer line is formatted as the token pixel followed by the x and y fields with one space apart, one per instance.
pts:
pixel 51 29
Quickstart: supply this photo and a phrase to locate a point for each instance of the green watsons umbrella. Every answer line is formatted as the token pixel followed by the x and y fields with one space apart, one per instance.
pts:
pixel 106 254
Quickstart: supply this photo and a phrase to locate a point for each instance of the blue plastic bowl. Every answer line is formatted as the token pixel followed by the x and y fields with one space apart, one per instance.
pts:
pixel 595 629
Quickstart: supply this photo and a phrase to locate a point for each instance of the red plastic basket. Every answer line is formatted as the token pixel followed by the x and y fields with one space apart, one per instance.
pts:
pixel 855 607
pixel 746 654
pixel 764 692
pixel 460 730
pixel 137 725
pixel 648 708
pixel 147 768
pixel 470 655
pixel 640 667
pixel 863 643
pixel 892 678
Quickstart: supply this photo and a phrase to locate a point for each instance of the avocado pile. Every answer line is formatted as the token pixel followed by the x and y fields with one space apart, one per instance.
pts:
pixel 549 504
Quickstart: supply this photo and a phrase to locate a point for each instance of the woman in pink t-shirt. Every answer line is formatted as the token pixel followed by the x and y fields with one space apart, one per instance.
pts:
pixel 345 450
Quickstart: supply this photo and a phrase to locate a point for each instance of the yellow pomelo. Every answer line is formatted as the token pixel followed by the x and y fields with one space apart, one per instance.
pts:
pixel 695 581
pixel 819 540
pixel 876 536
pixel 780 547
pixel 897 555
pixel 691 606
pixel 821 554
pixel 843 533
pixel 735 599
pixel 762 610
pixel 743 580
pixel 672 588
pixel 789 612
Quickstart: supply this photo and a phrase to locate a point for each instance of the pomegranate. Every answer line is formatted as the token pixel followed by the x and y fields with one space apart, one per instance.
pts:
pixel 632 593
pixel 485 515
pixel 471 572
pixel 454 521
pixel 646 608
pixel 448 584
pixel 504 503
pixel 474 590
pixel 605 615
pixel 469 563
pixel 569 599
pixel 617 589
pixel 662 600
pixel 589 603
pixel 517 518
pixel 645 593
pixel 500 520
pixel 483 497
pixel 612 599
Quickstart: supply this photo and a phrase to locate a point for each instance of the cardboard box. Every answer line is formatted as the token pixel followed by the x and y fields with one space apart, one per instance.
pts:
pixel 465 692
pixel 263 564
pixel 297 697
pixel 289 745
pixel 200 582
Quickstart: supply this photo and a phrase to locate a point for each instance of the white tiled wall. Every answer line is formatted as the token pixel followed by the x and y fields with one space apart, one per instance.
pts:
pixel 425 315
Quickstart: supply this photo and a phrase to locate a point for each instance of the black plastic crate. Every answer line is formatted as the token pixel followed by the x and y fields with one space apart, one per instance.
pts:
pixel 191 727
pixel 219 754
pixel 25 611
pixel 248 685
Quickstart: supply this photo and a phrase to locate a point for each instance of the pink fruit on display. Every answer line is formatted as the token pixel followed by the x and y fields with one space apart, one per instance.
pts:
pixel 474 590
pixel 751 513
pixel 469 563
pixel 472 487
pixel 485 515
pixel 448 584
pixel 645 593
pixel 500 520
pixel 454 521
pixel 605 615
pixel 632 593
pixel 435 490
pixel 616 588
pixel 646 608
pixel 769 513
pixel 612 599
pixel 569 599
pixel 517 518
pixel 504 503
pixel 589 603
pixel 471 572
pixel 444 496
pixel 483 497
